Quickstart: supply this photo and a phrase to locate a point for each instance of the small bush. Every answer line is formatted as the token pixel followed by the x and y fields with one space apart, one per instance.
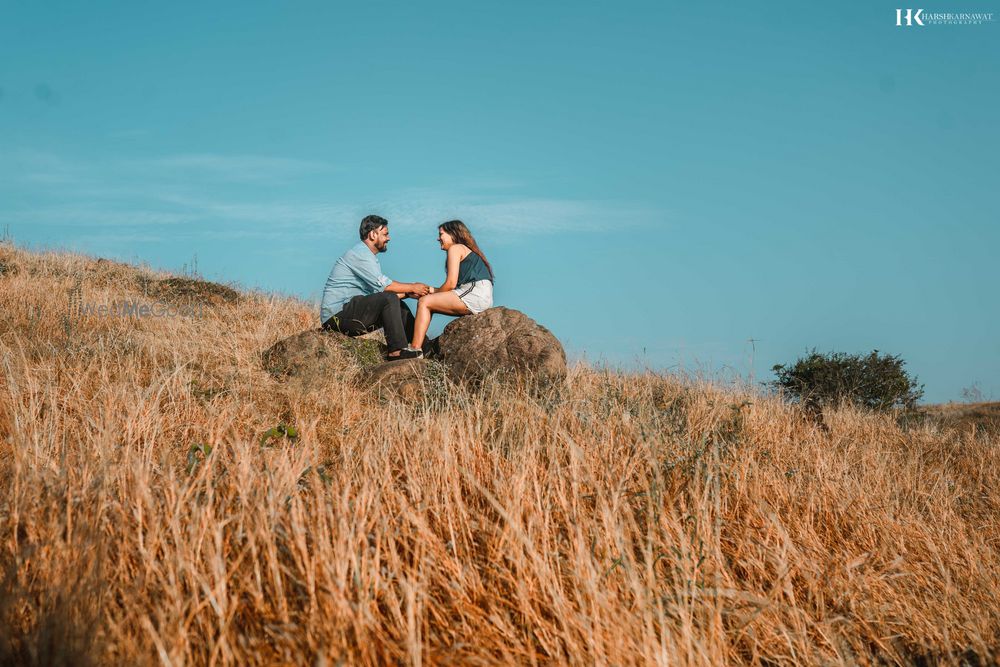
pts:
pixel 872 381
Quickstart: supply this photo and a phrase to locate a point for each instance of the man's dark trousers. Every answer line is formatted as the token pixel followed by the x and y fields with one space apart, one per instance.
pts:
pixel 382 310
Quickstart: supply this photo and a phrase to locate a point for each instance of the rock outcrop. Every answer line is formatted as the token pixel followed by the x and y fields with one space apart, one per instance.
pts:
pixel 191 290
pixel 406 380
pixel 313 351
pixel 503 341
pixel 321 354
pixel 498 342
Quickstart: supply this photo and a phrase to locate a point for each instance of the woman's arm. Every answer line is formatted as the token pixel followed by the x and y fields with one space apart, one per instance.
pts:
pixel 456 254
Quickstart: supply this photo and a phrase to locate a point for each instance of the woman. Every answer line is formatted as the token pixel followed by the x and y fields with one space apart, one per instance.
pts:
pixel 468 284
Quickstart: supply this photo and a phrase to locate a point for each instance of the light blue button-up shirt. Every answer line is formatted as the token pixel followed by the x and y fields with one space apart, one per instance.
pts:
pixel 356 273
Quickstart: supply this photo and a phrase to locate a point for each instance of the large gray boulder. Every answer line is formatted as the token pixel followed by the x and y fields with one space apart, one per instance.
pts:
pixel 503 341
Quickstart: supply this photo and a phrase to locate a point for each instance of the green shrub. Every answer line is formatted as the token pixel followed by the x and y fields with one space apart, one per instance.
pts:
pixel 872 381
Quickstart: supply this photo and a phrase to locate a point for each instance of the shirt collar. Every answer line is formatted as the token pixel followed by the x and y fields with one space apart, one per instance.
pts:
pixel 363 247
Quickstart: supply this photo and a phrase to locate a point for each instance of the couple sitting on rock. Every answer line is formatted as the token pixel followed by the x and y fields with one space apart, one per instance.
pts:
pixel 359 298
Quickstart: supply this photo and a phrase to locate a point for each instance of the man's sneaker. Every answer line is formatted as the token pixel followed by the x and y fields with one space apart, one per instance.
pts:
pixel 407 353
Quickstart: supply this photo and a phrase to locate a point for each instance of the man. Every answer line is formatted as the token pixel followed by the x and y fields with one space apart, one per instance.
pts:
pixel 359 298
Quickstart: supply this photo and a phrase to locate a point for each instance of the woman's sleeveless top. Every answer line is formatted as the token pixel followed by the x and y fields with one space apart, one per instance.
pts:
pixel 473 268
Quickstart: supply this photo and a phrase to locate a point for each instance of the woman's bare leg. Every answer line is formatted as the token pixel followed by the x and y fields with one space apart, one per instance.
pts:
pixel 446 303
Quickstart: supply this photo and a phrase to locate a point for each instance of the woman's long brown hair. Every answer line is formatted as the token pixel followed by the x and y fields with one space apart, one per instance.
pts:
pixel 457 230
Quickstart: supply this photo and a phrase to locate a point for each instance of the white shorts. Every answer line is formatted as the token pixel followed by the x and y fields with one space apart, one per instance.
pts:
pixel 477 296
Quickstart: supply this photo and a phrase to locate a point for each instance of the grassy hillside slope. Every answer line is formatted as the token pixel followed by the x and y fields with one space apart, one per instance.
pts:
pixel 149 514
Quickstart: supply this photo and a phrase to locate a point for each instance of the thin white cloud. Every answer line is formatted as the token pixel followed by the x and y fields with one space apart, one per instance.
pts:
pixel 502 215
pixel 195 194
pixel 88 215
pixel 234 167
pixel 42 167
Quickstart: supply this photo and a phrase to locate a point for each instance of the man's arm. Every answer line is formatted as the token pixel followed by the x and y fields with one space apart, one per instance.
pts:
pixel 368 270
pixel 402 290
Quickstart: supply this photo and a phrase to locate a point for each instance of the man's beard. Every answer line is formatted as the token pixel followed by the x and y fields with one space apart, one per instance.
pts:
pixel 382 247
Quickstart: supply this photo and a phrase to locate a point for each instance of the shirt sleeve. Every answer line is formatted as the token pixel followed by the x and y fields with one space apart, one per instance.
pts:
pixel 369 272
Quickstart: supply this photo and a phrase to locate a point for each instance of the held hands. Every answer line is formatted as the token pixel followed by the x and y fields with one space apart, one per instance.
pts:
pixel 420 289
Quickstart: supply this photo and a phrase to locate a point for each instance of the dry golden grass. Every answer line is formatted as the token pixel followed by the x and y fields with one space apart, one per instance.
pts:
pixel 637 519
pixel 972 417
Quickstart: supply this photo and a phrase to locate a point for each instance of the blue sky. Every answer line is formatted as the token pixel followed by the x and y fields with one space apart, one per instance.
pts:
pixel 659 183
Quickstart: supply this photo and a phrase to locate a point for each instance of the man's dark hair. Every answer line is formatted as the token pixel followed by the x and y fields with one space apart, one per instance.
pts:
pixel 370 224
